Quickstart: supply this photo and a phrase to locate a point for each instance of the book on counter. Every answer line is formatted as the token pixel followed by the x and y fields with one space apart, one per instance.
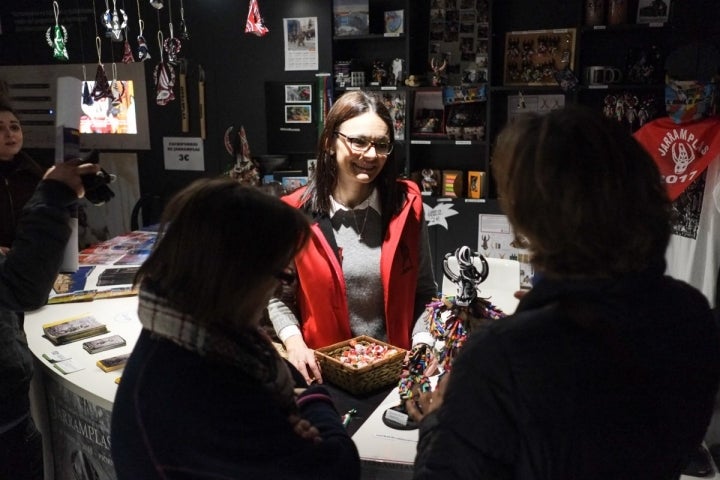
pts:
pixel 72 329
pixel 113 363
pixel 105 343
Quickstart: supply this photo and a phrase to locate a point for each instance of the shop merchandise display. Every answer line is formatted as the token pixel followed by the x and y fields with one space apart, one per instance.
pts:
pixel 450 319
pixel 72 329
pixel 685 145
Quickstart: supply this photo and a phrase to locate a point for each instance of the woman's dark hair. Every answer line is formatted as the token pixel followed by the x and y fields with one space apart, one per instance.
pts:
pixel 6 107
pixel 220 244
pixel 323 182
pixel 585 195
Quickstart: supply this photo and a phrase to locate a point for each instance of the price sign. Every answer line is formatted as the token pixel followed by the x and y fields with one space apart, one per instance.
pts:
pixel 184 153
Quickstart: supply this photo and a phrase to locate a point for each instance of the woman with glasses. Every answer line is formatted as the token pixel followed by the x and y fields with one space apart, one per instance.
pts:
pixel 205 394
pixel 367 269
pixel 19 175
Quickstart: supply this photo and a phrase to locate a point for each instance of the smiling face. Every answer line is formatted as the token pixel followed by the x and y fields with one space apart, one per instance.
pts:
pixel 11 135
pixel 357 168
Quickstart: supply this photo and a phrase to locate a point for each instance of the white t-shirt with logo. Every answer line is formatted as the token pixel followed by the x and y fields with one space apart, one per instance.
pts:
pixel 693 254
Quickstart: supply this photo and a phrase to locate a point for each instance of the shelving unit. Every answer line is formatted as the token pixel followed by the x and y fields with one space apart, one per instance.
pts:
pixel 465 148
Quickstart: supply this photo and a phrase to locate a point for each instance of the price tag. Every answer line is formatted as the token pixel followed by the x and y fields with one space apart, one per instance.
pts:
pixel 184 153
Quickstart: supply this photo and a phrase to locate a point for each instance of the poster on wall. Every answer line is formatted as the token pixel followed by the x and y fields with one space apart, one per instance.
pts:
pixel 80 435
pixel 497 240
pixel 301 42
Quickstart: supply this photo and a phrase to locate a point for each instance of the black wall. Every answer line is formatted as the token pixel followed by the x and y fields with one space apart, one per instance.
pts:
pixel 236 66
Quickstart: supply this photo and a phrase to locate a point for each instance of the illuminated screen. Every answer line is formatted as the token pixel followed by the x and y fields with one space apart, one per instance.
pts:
pixel 118 123
pixel 109 115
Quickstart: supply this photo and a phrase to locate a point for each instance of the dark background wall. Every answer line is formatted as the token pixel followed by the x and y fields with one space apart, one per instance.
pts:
pixel 236 66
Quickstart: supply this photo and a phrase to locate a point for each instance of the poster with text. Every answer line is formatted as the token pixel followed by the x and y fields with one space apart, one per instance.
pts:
pixel 497 240
pixel 80 435
pixel 301 43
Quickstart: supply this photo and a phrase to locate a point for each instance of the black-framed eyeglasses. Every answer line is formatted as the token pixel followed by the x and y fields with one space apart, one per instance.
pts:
pixel 362 145
pixel 286 276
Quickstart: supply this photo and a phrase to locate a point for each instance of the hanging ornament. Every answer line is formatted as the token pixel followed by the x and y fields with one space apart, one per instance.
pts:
pixel 113 22
pixel 157 4
pixel 117 88
pixel 172 44
pixel 57 36
pixel 143 52
pixel 172 47
pixel 86 97
pixel 127 52
pixel 183 26
pixel 102 86
pixel 254 22
pixel 164 76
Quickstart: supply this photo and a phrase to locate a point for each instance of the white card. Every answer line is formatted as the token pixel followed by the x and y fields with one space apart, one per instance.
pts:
pixel 68 366
pixel 55 356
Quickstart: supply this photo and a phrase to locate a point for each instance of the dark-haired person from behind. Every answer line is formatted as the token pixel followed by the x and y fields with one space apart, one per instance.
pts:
pixel 608 368
pixel 205 393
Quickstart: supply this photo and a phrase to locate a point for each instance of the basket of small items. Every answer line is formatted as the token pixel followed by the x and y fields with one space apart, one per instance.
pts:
pixel 361 365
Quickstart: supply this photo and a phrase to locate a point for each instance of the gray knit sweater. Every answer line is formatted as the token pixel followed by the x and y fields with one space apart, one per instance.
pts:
pixel 358 233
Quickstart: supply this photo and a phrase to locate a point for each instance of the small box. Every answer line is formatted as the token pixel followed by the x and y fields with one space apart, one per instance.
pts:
pixel 475 184
pixel 357 79
pixel 429 114
pixel 351 17
pixel 452 183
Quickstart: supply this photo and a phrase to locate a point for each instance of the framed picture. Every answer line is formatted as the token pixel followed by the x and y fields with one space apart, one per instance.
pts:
pixel 290 184
pixel 532 57
pixel 298 93
pixel 298 114
pixel 653 11
pixel 394 20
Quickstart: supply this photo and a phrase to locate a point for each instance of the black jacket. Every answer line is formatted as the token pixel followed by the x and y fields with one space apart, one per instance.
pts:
pixel 18 179
pixel 27 274
pixel 588 379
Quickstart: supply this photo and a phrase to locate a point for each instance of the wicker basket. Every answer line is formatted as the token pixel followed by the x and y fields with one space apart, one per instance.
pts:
pixel 360 380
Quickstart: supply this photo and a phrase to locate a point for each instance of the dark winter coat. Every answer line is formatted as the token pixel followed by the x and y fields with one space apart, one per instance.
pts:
pixel 588 379
pixel 17 184
pixel 27 274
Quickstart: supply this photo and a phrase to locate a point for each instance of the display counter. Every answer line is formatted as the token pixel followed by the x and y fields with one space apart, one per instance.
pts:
pixel 73 410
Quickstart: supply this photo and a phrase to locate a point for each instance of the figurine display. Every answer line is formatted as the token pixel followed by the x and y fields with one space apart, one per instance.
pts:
pixel 397 75
pixel 379 73
pixel 429 181
pixel 245 170
pixel 450 320
pixel 438 78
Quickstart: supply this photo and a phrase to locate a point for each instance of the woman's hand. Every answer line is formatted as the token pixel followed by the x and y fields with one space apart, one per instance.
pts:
pixel 70 173
pixel 303 358
pixel 304 429
pixel 423 403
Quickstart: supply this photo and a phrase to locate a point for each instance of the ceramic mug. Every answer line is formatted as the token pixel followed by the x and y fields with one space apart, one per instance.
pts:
pixel 601 75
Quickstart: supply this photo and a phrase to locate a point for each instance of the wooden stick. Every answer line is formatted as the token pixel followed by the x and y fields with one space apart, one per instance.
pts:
pixel 183 97
pixel 201 94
